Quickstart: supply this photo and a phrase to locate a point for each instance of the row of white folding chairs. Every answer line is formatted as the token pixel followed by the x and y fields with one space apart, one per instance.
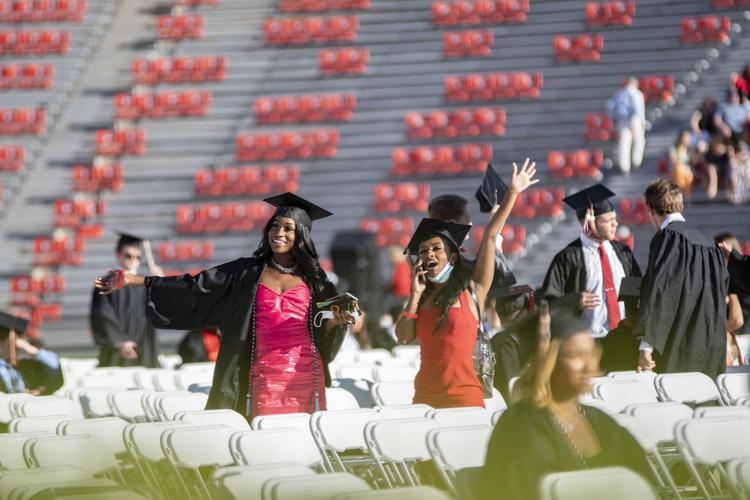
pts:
pixel 375 373
pixel 401 393
pixel 620 389
pixel 403 355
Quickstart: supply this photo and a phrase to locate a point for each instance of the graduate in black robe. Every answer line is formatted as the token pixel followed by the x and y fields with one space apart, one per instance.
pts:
pixel 223 297
pixel 119 324
pixel 547 430
pixel 682 321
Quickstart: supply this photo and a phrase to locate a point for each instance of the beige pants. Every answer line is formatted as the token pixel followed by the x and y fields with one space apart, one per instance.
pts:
pixel 630 145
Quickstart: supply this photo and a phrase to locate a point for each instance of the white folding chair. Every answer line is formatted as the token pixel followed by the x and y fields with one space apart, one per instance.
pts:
pixel 722 412
pixel 617 394
pixel 230 418
pixel 274 446
pixel 6 401
pixel 143 442
pixel 706 444
pixel 733 386
pixel 619 483
pixel 689 387
pixel 144 379
pixel 192 447
pixel 246 481
pixel 149 402
pixel 355 371
pixel 10 480
pixel 496 402
pixel 11 450
pixel 396 445
pixel 109 429
pixel 320 487
pixel 169 361
pixel 456 448
pixel 169 404
pixel 47 425
pixel 299 421
pixel 185 379
pixel 646 377
pixel 738 472
pixel 340 399
pixel 496 417
pixel 204 366
pixel 372 356
pixel 163 380
pixel 406 351
pixel 42 406
pixel 403 411
pixel 460 417
pixel 393 393
pixel 412 493
pixel 127 404
pixel 339 431
pixel 78 489
pixel 90 453
pixel 95 401
pixel 394 373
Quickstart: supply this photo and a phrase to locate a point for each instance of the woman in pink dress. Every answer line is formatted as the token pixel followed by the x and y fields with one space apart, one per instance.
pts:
pixel 276 344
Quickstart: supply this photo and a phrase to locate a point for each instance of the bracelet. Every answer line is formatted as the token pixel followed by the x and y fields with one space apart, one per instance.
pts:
pixel 119 278
pixel 408 315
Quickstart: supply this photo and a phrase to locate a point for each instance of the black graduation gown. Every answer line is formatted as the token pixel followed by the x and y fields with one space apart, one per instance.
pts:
pixel 739 270
pixel 224 297
pixel 118 317
pixel 527 444
pixel 567 276
pixel 683 311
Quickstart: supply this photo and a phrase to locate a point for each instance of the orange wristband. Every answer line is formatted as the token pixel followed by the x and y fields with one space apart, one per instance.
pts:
pixel 408 315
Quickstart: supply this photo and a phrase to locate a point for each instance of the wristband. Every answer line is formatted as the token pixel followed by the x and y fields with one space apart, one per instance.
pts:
pixel 408 315
pixel 119 278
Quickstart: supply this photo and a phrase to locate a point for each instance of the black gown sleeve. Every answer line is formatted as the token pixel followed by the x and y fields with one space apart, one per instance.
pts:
pixel 554 282
pixel 105 326
pixel 190 302
pixel 328 343
pixel 739 270
pixel 660 289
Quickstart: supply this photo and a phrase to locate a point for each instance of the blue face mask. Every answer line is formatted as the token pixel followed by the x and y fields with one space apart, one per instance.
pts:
pixel 443 276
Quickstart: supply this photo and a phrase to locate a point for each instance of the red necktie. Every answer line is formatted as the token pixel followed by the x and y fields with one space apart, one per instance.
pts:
pixel 613 307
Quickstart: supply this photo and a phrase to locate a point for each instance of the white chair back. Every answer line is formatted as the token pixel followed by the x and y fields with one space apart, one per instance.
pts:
pixel 457 448
pixel 294 420
pixel 722 412
pixel 394 373
pixel 169 404
pixel 127 404
pixel 274 446
pixel 90 453
pixel 689 387
pixel 619 483
pixel 109 429
pixel 460 417
pixel 47 425
pixel 496 402
pixel 617 394
pixel 320 487
pixel 11 450
pixel 340 399
pixel 411 493
pixel 194 446
pixel 733 386
pixel 393 393
pixel 42 406
pixel 399 439
pixel 246 481
pixel 403 411
pixel 10 480
pixel 659 419
pixel 229 418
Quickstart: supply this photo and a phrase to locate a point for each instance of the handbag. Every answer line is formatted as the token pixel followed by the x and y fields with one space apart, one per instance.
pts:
pixel 484 356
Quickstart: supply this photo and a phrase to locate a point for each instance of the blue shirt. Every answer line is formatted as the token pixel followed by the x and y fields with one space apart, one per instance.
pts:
pixel 11 379
pixel 625 104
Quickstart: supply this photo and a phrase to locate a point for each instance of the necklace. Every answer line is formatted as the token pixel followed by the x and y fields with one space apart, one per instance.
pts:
pixel 282 269
pixel 566 429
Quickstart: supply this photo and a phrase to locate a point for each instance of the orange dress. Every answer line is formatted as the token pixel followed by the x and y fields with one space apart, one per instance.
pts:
pixel 446 377
pixel 286 367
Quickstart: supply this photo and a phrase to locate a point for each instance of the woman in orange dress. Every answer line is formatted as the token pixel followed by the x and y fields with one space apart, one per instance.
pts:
pixel 441 312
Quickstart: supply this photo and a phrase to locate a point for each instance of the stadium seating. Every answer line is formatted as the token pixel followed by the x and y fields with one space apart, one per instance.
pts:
pixel 633 211
pixel 222 217
pixel 307 108
pixel 580 163
pixel 468 43
pixel 22 121
pixel 307 30
pixel 350 60
pixel 71 213
pixel 194 69
pixel 389 231
pixel 26 76
pixel 610 13
pixel 598 127
pixel 402 197
pixel 323 5
pixel 318 143
pixel 179 27
pixel 656 88
pixel 97 178
pixel 161 105
pixel 236 181
pixel 34 42
pixel 705 29
pixel 456 123
pixel 11 158
pixel 441 160
pixel 130 141
pixel 514 237
pixel 493 86
pixel 41 11
pixel 58 251
pixel 539 202
pixel 456 12
pixel 580 48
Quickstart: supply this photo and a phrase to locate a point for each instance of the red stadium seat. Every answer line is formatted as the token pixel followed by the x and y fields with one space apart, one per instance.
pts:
pixel 73 213
pixel 402 197
pixel 237 181
pixel 656 88
pixel 180 27
pixel 317 143
pixel 581 48
pixel 41 11
pixel 11 158
pixel 493 86
pixel 161 105
pixel 323 5
pixel 468 43
pixel 514 237
pixel 211 218
pixel 198 250
pixel 303 31
pixel 578 163
pixel 389 231
pixel 120 142
pixel 455 12
pixel 705 29
pixel 300 109
pixel 22 121
pixel 432 160
pixel 343 61
pixel 56 252
pixel 180 70
pixel 34 42
pixel 598 127
pixel 612 13
pixel 26 76
pixel 633 211
pixel 97 178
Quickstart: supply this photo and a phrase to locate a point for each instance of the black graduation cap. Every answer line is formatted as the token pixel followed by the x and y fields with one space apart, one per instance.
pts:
pixel 630 288
pixel 510 299
pixel 565 318
pixel 454 234
pixel 596 197
pixel 291 204
pixel 491 191
pixel 10 322
pixel 128 239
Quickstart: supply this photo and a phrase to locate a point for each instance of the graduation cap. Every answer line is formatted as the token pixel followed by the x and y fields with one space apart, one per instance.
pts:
pixel 565 318
pixel 595 197
pixel 510 299
pixel 128 239
pixel 453 233
pixel 491 191
pixel 10 322
pixel 297 208
pixel 630 288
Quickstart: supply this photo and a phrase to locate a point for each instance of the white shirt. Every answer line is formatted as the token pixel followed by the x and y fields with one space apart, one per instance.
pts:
pixel 598 318
pixel 675 217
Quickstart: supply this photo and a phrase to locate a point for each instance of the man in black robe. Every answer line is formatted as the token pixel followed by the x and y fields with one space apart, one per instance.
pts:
pixel 682 319
pixel 592 267
pixel 119 322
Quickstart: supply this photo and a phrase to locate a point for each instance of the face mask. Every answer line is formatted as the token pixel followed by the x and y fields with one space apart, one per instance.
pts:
pixel 443 275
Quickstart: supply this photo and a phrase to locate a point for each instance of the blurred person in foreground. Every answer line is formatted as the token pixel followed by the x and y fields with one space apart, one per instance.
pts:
pixel 546 429
pixel 682 319
pixel 738 306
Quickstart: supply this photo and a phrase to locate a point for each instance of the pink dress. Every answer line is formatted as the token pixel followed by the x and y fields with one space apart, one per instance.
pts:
pixel 283 378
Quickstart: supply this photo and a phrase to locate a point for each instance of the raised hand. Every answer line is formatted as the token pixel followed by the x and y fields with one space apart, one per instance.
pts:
pixel 524 177
pixel 110 282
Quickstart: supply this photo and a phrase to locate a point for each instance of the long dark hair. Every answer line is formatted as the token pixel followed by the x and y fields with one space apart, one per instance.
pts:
pixel 449 293
pixel 304 252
